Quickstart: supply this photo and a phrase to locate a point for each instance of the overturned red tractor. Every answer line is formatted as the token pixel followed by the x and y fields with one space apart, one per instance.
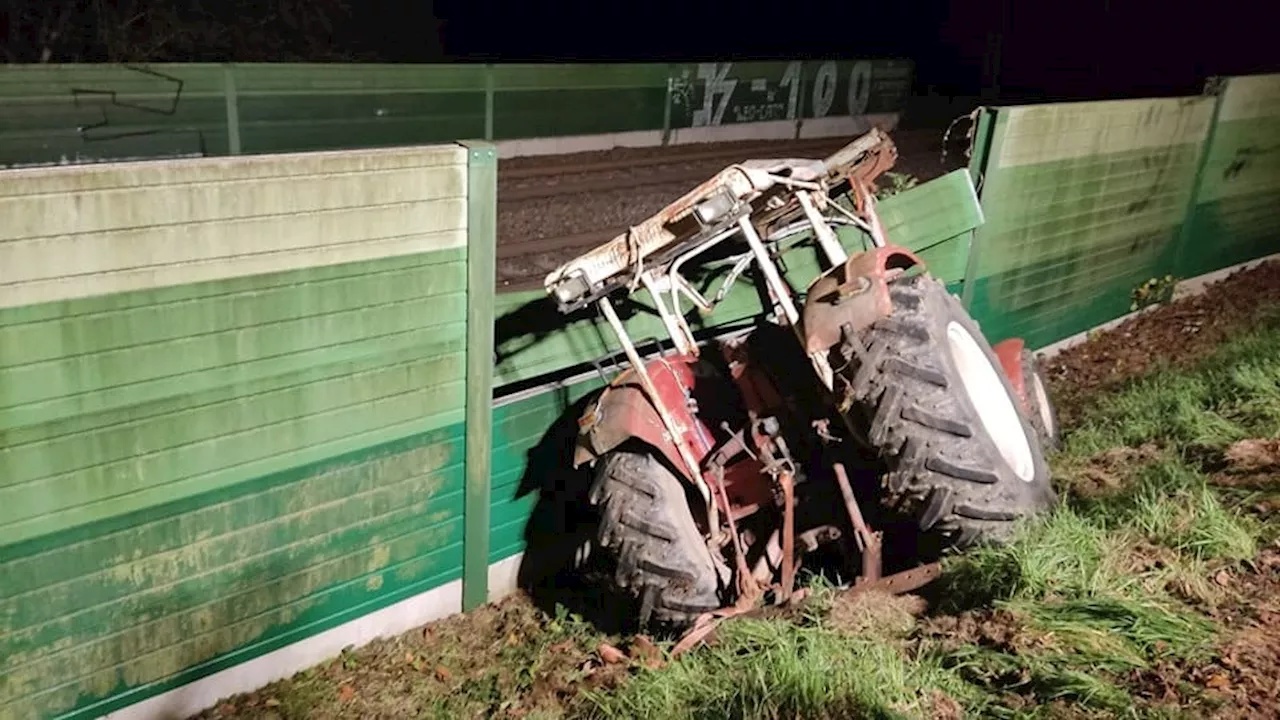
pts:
pixel 720 465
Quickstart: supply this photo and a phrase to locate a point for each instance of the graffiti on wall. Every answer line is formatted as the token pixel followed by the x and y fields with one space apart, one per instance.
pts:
pixel 714 94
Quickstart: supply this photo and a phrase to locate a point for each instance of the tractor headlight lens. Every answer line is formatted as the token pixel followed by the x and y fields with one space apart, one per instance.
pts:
pixel 571 288
pixel 710 210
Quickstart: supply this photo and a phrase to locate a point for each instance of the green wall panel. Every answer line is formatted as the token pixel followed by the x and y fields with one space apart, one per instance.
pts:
pixel 225 438
pixel 100 616
pixel 1083 202
pixel 251 376
pixel 549 100
pixel 520 434
pixel 709 94
pixel 287 108
pixel 84 113
pixel 1237 212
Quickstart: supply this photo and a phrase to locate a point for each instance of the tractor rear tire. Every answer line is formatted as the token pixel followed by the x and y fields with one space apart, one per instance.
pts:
pixel 663 560
pixel 1040 411
pixel 960 459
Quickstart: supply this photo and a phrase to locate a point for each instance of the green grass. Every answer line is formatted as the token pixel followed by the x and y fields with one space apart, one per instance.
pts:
pixel 780 668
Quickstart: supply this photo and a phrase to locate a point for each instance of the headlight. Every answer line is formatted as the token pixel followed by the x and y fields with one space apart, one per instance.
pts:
pixel 570 289
pixel 710 210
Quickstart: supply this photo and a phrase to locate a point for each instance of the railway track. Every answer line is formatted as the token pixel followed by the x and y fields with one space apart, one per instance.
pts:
pixel 522 184
pixel 589 189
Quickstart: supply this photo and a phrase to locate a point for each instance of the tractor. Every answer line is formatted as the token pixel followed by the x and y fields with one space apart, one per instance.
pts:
pixel 720 465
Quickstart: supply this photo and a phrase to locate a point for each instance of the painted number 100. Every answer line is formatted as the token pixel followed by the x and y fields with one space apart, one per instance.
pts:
pixel 825 83
pixel 718 89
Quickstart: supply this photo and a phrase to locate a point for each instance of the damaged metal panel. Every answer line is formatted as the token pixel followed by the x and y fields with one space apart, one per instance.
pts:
pixel 1083 202
pixel 935 220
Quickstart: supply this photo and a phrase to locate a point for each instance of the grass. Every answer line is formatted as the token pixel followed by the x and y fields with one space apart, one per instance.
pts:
pixel 1058 623
pixel 788 668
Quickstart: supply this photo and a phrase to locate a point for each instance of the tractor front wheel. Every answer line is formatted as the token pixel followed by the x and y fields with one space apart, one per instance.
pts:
pixel 1040 411
pixel 930 395
pixel 647 524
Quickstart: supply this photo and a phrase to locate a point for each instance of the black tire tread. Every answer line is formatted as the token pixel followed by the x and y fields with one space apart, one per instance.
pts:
pixel 646 523
pixel 942 469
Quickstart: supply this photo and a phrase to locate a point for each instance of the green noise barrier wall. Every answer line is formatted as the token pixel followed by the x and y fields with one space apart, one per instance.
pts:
pixel 241 401
pixel 84 113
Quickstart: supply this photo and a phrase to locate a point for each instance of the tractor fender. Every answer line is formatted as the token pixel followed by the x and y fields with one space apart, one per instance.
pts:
pixel 624 412
pixel 1009 353
pixel 854 294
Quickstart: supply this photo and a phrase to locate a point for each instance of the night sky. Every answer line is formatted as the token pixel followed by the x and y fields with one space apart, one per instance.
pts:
pixel 1087 48
pixel 1048 50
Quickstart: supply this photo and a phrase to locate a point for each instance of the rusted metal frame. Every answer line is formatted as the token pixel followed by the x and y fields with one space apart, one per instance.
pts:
pixel 746 582
pixel 772 278
pixel 868 541
pixel 878 237
pixel 788 535
pixel 902 582
pixel 896 584
pixel 783 296
pixel 1009 354
pixel 827 238
pixel 678 283
pixel 680 333
pixel 677 436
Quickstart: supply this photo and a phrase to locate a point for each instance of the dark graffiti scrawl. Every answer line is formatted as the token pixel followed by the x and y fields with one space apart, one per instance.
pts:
pixel 121 118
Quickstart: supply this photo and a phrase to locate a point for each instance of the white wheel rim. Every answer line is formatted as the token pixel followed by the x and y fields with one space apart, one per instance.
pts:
pixel 1042 404
pixel 996 411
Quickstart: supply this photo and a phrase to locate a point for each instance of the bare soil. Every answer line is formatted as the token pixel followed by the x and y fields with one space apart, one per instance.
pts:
pixel 1178 334
pixel 1242 679
pixel 503 660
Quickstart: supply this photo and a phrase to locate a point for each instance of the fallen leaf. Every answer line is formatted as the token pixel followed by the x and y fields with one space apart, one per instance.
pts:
pixel 443 674
pixel 272 702
pixel 643 649
pixel 611 654
pixel 1218 681
pixel 346 692
pixel 561 647
pixel 512 640
pixel 1222 577
pixel 409 658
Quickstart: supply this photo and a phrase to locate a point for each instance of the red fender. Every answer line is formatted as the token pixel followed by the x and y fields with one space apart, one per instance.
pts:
pixel 624 411
pixel 855 294
pixel 1009 353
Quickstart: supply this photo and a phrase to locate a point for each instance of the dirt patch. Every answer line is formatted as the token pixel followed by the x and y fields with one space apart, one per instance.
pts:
pixel 503 660
pixel 1108 472
pixel 1254 456
pixel 1177 334
pixel 1242 679
pixel 996 629
pixel 858 614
